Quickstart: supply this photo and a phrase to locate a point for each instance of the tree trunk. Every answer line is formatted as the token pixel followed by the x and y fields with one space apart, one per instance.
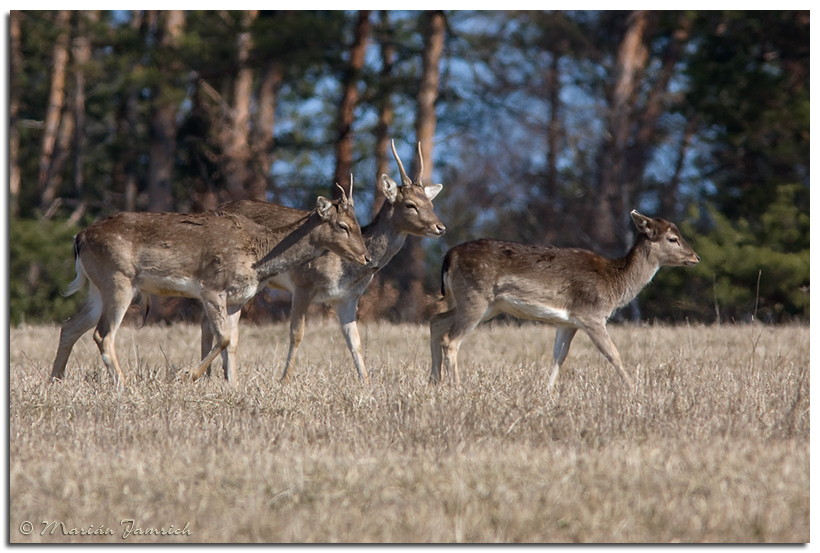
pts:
pixel 669 197
pixel 81 50
pixel 656 103
pixel 16 60
pixel 62 148
pixel 411 279
pixel 385 107
pixel 632 58
pixel 54 109
pixel 350 96
pixel 163 126
pixel 263 131
pixel 237 150
pixel 550 205
pixel 125 167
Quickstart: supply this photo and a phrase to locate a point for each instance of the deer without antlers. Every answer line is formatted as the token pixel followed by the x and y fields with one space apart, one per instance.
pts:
pixel 408 209
pixel 570 288
pixel 221 258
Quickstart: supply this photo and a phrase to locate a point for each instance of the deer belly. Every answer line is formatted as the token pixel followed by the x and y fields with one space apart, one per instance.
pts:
pixel 169 286
pixel 532 310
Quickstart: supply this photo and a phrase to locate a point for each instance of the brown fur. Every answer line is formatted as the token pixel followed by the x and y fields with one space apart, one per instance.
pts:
pixel 569 287
pixel 329 278
pixel 222 259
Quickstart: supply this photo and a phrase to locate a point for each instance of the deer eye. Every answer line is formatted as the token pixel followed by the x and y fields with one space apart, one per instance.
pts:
pixel 411 206
pixel 344 227
pixel 673 239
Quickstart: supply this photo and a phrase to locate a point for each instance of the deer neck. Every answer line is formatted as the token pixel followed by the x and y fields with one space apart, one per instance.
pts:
pixel 634 271
pixel 282 248
pixel 382 238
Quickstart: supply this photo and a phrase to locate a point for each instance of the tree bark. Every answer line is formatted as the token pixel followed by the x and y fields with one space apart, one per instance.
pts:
pixel 549 202
pixel 125 173
pixel 385 107
pixel 669 197
pixel 55 105
pixel 656 104
pixel 163 126
pixel 263 131
pixel 237 150
pixel 16 60
pixel 81 51
pixel 350 96
pixel 428 90
pixel 631 60
pixel 411 279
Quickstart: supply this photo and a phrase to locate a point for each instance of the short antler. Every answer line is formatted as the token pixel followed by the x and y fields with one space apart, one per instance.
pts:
pixel 404 178
pixel 421 167
pixel 344 193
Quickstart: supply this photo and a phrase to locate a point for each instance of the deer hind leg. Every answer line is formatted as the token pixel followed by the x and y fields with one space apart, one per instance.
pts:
pixel 600 337
pixel 439 326
pixel 116 297
pixel 346 313
pixel 75 327
pixel 216 310
pixel 466 317
pixel 298 311
pixel 563 339
pixel 207 341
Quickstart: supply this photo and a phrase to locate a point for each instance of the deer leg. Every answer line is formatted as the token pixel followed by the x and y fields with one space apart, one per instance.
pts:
pixel 439 326
pixel 346 313
pixel 217 313
pixel 116 297
pixel 75 327
pixel 207 341
pixel 600 337
pixel 563 338
pixel 298 311
pixel 465 318
pixel 229 353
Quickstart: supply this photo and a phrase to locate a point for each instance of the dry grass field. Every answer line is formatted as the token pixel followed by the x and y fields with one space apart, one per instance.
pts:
pixel 713 447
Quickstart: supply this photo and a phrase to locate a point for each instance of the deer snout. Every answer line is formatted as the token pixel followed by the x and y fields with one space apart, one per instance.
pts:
pixel 692 261
pixel 437 230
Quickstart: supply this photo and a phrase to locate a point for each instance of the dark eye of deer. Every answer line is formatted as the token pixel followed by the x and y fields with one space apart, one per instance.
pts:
pixel 344 227
pixel 673 239
pixel 411 206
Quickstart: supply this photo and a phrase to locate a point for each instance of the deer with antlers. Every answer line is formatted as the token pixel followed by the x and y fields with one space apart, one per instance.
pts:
pixel 331 279
pixel 570 288
pixel 221 258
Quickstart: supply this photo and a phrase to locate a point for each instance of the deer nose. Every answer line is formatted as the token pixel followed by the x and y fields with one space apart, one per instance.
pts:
pixel 440 229
pixel 367 259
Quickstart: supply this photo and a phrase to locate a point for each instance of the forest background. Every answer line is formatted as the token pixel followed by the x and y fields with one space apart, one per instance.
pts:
pixel 544 127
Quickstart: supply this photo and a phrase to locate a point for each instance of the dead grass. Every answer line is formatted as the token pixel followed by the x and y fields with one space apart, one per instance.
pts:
pixel 714 447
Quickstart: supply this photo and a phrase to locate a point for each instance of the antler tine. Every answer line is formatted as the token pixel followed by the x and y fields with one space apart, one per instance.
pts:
pixel 404 178
pixel 350 192
pixel 421 167
pixel 344 194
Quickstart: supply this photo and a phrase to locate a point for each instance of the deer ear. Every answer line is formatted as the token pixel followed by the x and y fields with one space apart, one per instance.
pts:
pixel 432 190
pixel 390 189
pixel 643 223
pixel 323 207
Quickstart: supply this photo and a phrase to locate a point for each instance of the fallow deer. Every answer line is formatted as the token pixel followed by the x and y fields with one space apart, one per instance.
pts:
pixel 222 258
pixel 570 288
pixel 408 209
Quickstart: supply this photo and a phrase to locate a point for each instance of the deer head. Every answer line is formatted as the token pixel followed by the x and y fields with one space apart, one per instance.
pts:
pixel 342 234
pixel 412 201
pixel 669 247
